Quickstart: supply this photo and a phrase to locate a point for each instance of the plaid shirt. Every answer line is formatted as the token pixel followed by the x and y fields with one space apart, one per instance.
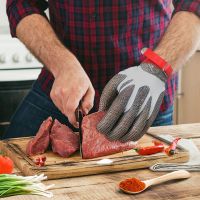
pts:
pixel 105 35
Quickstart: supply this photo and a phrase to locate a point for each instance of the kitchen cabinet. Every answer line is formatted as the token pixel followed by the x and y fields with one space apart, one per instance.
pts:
pixel 187 104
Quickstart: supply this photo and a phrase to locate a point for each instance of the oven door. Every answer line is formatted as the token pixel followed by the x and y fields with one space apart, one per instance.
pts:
pixel 14 85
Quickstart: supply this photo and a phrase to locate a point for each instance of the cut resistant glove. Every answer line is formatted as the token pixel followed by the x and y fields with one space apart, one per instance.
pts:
pixel 132 99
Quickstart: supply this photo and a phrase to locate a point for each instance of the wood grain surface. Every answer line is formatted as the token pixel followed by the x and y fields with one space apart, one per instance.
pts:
pixel 104 186
pixel 58 167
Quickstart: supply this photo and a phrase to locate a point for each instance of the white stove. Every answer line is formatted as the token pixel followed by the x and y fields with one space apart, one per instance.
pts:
pixel 16 62
pixel 18 70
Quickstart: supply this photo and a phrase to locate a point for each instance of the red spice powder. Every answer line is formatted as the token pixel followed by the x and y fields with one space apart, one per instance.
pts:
pixel 132 184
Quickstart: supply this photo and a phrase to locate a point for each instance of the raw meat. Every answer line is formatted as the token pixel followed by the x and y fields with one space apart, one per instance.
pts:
pixel 63 140
pixel 40 142
pixel 95 144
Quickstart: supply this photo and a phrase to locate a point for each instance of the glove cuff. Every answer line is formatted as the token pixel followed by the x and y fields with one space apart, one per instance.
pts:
pixel 157 61
pixel 152 69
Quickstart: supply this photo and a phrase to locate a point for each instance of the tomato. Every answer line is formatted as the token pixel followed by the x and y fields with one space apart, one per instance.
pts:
pixel 6 165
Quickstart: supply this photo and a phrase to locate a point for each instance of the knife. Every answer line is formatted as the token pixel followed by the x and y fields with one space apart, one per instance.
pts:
pixel 79 118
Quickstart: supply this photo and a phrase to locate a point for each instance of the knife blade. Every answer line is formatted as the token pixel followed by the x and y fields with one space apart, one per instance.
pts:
pixel 79 117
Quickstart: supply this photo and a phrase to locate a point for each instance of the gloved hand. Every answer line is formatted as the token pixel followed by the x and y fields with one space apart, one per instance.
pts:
pixel 132 99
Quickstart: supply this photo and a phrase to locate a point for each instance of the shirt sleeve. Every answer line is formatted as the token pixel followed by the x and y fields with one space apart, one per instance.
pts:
pixel 18 9
pixel 187 5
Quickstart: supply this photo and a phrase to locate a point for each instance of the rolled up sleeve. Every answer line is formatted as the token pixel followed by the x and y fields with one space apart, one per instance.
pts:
pixel 187 5
pixel 18 9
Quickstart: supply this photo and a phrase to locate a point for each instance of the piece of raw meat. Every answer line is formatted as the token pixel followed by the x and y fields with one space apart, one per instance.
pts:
pixel 95 144
pixel 40 142
pixel 63 140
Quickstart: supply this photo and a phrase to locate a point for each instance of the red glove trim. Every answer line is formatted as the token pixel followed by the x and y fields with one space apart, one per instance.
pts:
pixel 152 57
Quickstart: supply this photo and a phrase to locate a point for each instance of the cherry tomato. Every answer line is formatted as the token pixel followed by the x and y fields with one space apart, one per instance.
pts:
pixel 6 165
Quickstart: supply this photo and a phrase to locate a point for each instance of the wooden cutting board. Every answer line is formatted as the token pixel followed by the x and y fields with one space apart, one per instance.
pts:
pixel 58 167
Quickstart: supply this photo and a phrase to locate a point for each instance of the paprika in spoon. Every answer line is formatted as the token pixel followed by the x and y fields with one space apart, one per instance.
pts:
pixel 134 186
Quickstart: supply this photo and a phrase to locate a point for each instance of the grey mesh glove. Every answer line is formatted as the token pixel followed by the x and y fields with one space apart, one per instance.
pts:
pixel 132 99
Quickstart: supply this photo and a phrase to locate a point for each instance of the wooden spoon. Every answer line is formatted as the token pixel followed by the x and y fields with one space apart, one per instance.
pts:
pixel 180 174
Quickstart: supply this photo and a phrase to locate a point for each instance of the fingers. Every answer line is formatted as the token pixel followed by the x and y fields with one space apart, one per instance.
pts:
pixel 153 115
pixel 115 111
pixel 87 101
pixel 70 104
pixel 55 97
pixel 67 101
pixel 129 117
pixel 110 92
pixel 150 121
pixel 70 86
pixel 138 125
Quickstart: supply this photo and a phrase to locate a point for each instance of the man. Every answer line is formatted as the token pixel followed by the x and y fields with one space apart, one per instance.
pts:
pixel 86 43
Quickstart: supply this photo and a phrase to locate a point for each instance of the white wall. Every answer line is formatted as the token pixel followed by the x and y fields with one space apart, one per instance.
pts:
pixel 4 25
pixel 3 16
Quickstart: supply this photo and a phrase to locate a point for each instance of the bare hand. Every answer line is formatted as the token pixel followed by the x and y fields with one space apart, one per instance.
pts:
pixel 71 86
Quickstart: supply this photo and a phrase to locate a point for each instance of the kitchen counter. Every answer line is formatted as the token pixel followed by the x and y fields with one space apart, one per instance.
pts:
pixel 104 186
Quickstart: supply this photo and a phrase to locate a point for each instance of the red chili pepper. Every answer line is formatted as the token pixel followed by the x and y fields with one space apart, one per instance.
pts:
pixel 43 158
pixel 172 148
pixel 41 164
pixel 37 161
pixel 157 143
pixel 40 161
pixel 150 150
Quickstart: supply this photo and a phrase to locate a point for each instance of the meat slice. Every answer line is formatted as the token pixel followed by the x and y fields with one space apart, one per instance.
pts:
pixel 95 144
pixel 40 142
pixel 63 140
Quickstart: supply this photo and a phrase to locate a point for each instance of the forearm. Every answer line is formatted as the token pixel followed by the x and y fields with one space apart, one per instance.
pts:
pixel 181 39
pixel 36 33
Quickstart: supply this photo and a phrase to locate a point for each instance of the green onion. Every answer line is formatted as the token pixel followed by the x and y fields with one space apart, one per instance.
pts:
pixel 11 185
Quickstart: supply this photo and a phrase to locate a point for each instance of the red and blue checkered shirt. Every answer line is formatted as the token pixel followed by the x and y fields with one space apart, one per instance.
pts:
pixel 105 35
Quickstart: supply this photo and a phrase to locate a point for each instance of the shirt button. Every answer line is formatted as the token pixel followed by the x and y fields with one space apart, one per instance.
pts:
pixel 93 16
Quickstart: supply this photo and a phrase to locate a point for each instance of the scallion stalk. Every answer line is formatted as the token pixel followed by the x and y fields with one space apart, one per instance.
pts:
pixel 11 185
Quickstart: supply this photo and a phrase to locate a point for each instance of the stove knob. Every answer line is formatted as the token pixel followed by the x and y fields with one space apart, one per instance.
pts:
pixel 15 58
pixel 29 58
pixel 2 58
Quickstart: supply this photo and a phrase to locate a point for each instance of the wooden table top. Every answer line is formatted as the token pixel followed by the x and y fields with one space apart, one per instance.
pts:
pixel 104 186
